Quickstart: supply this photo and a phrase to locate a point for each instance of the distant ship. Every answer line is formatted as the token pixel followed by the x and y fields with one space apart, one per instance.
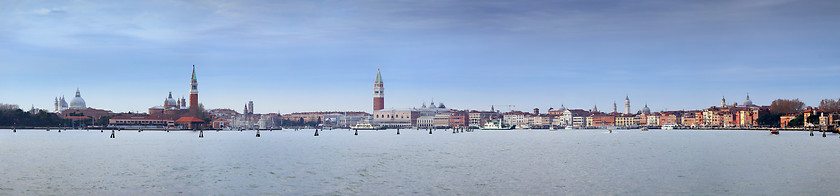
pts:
pixel 668 126
pixel 496 124
pixel 366 125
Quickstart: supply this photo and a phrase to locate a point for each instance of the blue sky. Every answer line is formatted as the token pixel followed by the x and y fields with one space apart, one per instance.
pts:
pixel 290 56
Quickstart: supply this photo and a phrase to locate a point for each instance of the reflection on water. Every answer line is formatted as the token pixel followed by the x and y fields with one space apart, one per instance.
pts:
pixel 580 162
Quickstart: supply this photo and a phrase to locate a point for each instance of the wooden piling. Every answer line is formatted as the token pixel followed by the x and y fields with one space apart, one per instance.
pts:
pixel 316 132
pixel 112 133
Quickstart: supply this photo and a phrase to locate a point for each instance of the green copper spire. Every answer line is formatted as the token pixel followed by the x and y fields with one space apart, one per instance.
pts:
pixel 378 76
pixel 193 75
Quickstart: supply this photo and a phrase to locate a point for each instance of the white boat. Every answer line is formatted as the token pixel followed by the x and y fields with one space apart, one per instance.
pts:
pixel 366 125
pixel 668 126
pixel 495 124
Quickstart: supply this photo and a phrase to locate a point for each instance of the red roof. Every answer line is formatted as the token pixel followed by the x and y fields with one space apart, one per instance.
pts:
pixel 189 119
pixel 77 117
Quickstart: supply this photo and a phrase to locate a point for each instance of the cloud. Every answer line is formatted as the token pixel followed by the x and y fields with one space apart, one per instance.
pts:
pixel 50 11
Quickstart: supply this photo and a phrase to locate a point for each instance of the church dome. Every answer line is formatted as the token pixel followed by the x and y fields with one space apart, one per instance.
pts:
pixel 170 102
pixel 748 102
pixel 562 108
pixel 646 110
pixel 77 102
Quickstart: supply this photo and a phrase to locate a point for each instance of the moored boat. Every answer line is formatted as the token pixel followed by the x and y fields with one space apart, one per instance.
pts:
pixel 366 125
pixel 495 124
pixel 774 131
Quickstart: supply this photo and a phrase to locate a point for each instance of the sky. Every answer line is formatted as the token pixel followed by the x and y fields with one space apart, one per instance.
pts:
pixel 293 56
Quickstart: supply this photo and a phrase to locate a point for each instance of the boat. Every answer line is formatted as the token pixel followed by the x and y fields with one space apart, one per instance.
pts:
pixel 366 125
pixel 774 131
pixel 668 126
pixel 645 129
pixel 496 124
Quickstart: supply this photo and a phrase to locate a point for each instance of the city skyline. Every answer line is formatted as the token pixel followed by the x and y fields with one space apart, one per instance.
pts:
pixel 322 56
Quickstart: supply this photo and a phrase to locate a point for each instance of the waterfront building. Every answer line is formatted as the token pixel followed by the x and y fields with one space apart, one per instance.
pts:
pixel 538 120
pixel 579 121
pixel 785 120
pixel 670 117
pixel 601 120
pixel 808 113
pixel 478 117
pixel 692 119
pixel 625 120
pixel 307 117
pixel 569 114
pixel 441 120
pixel 827 119
pixel 426 121
pixel 558 120
pixel 397 118
pixel 378 92
pixel 640 119
pixel 140 121
pixel 220 123
pixel 749 117
pixel 515 118
pixel 458 118
pixel 653 120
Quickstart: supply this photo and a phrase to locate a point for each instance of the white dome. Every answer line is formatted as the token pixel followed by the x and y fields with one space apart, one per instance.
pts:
pixel 646 110
pixel 77 102
pixel 748 102
pixel 170 102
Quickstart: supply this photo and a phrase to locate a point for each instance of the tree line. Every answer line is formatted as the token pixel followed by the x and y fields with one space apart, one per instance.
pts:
pixel 781 107
pixel 11 115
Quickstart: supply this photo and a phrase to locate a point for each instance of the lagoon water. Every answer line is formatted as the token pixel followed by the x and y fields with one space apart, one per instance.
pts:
pixel 531 162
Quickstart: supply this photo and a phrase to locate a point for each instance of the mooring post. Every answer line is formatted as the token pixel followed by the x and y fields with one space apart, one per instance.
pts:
pixel 398 131
pixel 357 132
pixel 201 133
pixel 112 133
pixel 258 132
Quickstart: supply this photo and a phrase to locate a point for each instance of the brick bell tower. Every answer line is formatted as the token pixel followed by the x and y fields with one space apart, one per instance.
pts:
pixel 378 92
pixel 193 91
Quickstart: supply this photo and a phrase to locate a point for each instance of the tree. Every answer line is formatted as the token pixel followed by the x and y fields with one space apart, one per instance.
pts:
pixel 814 119
pixel 797 122
pixel 830 105
pixel 769 119
pixel 786 106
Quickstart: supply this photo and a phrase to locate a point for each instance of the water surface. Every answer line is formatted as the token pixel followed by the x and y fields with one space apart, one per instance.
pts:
pixel 530 162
